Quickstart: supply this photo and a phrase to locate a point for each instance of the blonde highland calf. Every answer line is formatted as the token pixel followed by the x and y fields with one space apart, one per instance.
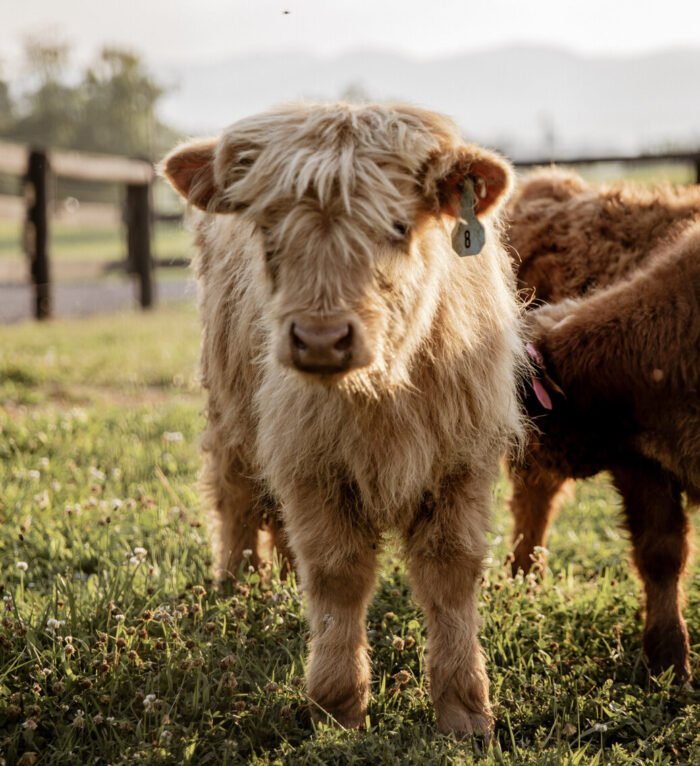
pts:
pixel 361 376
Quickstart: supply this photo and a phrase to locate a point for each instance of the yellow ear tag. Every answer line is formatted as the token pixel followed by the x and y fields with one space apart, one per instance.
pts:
pixel 468 237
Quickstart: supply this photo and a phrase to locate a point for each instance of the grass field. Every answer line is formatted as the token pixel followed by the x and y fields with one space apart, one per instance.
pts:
pixel 116 648
pixel 92 245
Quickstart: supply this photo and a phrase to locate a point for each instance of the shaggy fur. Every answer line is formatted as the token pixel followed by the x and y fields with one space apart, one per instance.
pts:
pixel 339 211
pixel 570 239
pixel 627 360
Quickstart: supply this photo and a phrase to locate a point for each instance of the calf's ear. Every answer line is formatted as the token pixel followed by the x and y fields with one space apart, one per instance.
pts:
pixel 491 177
pixel 190 170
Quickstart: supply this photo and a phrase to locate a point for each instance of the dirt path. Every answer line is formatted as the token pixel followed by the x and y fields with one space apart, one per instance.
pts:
pixel 85 298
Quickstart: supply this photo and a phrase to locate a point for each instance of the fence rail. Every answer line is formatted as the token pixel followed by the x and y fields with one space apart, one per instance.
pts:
pixel 687 157
pixel 36 166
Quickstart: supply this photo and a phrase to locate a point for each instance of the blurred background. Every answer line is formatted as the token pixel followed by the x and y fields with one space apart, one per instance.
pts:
pixel 540 81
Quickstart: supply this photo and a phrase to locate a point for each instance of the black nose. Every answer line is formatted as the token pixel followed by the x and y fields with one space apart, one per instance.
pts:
pixel 321 347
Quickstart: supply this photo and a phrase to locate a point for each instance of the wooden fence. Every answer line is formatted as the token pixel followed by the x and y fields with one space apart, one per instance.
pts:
pixel 36 166
pixel 686 158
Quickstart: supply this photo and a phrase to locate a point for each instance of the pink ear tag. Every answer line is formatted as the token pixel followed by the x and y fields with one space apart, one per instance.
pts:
pixel 541 393
pixel 533 353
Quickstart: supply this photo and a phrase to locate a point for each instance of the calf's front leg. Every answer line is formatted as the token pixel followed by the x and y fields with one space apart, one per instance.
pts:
pixel 445 547
pixel 336 561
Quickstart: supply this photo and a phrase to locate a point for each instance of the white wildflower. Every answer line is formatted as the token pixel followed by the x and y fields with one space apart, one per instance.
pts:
pixel 173 436
pixel 34 474
pixel 149 701
pixel 22 566
pixel 42 499
pixel 247 553
pixel 137 555
pixel 53 624
pixel 79 720
pixel 97 474
pixel 601 727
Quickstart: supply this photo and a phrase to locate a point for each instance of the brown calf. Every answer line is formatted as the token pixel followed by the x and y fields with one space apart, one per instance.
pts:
pixel 623 368
pixel 570 239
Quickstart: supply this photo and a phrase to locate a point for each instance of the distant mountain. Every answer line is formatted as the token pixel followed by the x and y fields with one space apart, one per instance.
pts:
pixel 525 100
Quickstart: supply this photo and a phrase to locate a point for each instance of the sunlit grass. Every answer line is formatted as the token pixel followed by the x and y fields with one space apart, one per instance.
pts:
pixel 115 646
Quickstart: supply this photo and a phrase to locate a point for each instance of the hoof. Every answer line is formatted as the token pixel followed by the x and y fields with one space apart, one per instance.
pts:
pixel 667 647
pixel 350 719
pixel 465 723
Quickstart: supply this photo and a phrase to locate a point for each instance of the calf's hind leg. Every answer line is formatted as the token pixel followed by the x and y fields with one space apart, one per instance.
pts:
pixel 237 510
pixel 536 498
pixel 445 548
pixel 659 530
pixel 277 537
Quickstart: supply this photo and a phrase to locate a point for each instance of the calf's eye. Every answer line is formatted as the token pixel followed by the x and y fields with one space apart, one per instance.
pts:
pixel 401 229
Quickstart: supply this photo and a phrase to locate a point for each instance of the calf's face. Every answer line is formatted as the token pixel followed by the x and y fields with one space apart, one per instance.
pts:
pixel 353 214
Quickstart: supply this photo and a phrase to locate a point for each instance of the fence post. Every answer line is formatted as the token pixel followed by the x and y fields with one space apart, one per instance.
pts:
pixel 697 169
pixel 138 217
pixel 38 234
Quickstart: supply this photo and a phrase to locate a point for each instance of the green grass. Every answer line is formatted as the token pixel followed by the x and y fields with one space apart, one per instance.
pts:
pixel 641 173
pixel 95 243
pixel 116 648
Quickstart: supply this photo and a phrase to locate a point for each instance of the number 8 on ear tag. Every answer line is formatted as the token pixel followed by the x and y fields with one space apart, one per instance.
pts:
pixel 468 237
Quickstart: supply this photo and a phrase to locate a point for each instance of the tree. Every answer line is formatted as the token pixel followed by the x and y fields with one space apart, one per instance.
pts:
pixel 110 108
pixel 49 108
pixel 7 108
pixel 119 105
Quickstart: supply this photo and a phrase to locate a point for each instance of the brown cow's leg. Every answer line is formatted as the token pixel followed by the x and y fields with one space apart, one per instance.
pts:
pixel 446 547
pixel 659 529
pixel 536 498
pixel 336 560
pixel 236 511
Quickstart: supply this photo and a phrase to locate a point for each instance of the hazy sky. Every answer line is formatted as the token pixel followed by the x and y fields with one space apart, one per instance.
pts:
pixel 169 31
